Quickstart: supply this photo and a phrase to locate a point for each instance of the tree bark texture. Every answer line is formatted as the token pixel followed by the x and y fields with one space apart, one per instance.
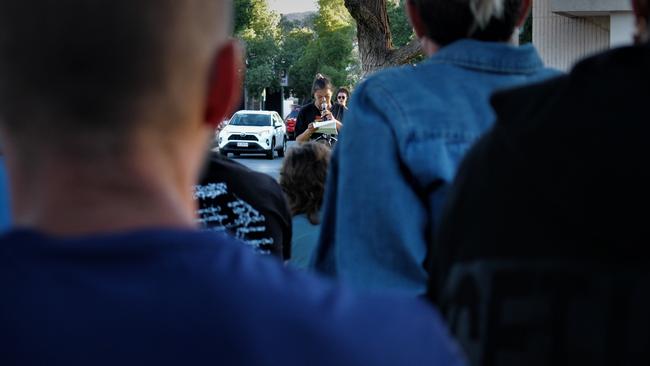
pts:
pixel 374 37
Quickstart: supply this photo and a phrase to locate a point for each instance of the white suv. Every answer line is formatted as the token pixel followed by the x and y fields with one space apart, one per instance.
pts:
pixel 254 132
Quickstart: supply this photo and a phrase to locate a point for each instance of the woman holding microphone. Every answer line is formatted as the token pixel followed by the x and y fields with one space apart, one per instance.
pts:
pixel 319 110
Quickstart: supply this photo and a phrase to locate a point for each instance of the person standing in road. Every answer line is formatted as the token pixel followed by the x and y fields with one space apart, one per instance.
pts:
pixel 409 129
pixel 318 110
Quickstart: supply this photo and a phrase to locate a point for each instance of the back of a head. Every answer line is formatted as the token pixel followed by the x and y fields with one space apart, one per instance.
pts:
pixel 79 70
pixel 642 9
pixel 447 21
pixel 321 82
pixel 302 178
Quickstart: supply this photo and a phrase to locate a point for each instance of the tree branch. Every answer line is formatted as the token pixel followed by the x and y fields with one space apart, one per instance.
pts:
pixel 375 38
pixel 352 6
pixel 405 54
pixel 372 21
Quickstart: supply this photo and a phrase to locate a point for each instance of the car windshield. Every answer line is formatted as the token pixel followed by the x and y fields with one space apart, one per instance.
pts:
pixel 244 119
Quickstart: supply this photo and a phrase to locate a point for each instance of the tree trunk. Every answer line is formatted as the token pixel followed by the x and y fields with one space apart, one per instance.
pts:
pixel 374 37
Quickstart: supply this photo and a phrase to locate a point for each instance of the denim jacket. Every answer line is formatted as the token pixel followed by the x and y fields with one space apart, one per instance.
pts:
pixel 405 134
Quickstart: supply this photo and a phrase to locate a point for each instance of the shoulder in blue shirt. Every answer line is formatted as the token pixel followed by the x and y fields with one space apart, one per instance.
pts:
pixel 186 298
pixel 5 217
pixel 303 241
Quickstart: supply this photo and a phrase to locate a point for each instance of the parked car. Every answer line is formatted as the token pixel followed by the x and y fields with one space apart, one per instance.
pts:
pixel 254 132
pixel 290 121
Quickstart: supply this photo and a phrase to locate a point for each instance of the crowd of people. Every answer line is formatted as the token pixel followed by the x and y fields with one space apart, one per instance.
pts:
pixel 477 208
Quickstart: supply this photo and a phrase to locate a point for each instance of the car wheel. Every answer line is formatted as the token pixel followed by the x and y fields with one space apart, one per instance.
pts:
pixel 269 154
pixel 223 152
pixel 283 150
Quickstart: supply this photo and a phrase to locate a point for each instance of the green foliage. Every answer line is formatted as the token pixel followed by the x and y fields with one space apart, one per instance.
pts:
pixel 294 44
pixel 260 32
pixel 332 16
pixel 296 61
pixel 287 25
pixel 259 77
pixel 242 14
pixel 323 44
pixel 329 51
pixel 301 74
pixel 263 21
pixel 400 28
pixel 262 56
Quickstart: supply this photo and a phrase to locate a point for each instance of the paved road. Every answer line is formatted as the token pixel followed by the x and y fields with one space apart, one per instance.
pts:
pixel 261 164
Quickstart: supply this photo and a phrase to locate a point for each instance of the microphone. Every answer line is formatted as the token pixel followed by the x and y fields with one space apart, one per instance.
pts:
pixel 323 107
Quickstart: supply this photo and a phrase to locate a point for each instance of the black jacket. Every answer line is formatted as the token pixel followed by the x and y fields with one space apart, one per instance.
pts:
pixel 248 205
pixel 338 111
pixel 546 225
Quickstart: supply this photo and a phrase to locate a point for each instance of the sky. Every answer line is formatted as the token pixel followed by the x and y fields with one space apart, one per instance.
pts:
pixel 292 6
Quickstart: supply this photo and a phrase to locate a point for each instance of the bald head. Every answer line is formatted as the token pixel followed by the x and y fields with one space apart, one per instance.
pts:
pixel 83 69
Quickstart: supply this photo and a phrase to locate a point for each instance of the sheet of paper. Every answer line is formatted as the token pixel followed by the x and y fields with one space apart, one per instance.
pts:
pixel 328 127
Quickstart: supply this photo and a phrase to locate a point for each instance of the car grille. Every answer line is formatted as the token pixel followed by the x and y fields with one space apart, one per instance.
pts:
pixel 243 138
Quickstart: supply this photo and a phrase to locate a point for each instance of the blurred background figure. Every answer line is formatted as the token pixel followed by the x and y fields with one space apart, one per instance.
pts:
pixel 5 209
pixel 340 105
pixel 302 178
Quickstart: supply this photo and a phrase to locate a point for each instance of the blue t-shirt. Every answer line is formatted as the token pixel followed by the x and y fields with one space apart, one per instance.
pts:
pixel 5 218
pixel 303 241
pixel 189 298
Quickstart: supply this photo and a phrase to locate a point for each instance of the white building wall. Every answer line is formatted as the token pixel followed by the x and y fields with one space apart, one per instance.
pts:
pixel 621 31
pixel 562 40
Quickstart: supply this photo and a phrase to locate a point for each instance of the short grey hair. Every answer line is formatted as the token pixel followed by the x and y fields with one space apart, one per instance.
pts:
pixel 485 10
pixel 447 21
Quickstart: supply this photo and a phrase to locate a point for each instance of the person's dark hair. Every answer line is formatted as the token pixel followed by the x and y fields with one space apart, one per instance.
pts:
pixel 321 82
pixel 302 178
pixel 643 8
pixel 448 21
pixel 343 90
pixel 82 68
